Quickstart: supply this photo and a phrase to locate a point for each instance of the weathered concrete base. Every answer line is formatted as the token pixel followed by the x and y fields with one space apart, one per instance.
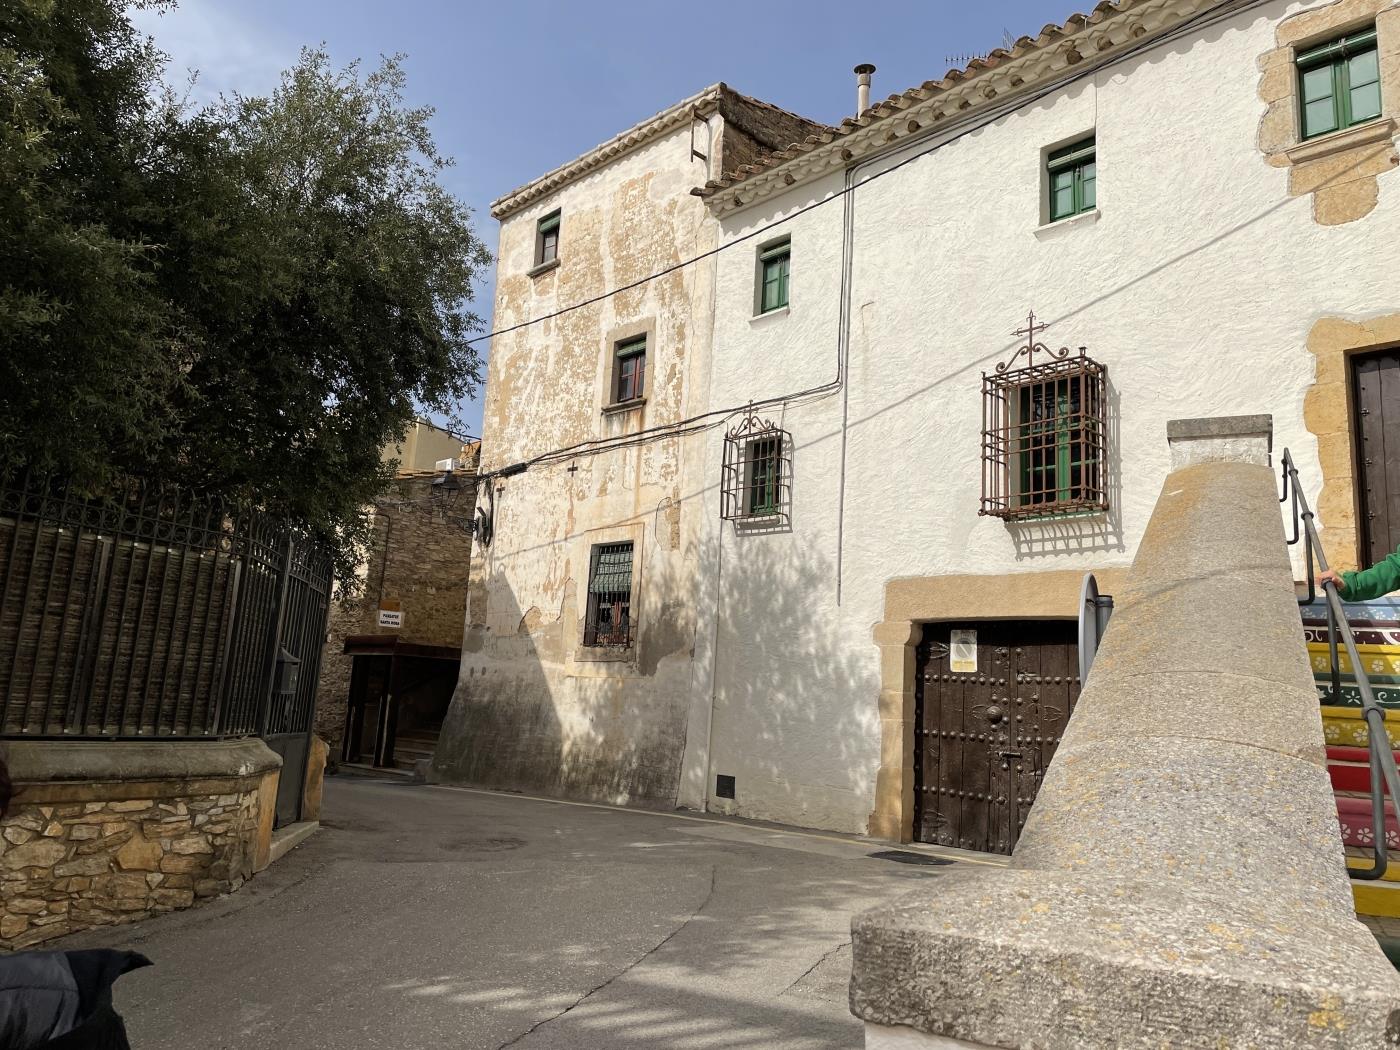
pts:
pixel 288 838
pixel 897 1037
pixel 1221 439
pixel 109 832
pixel 1066 961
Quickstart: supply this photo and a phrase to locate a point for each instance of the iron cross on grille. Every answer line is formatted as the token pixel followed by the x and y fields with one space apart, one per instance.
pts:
pixel 1034 345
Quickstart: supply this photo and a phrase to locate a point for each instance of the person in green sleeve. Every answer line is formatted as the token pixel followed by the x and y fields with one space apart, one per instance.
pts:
pixel 1379 579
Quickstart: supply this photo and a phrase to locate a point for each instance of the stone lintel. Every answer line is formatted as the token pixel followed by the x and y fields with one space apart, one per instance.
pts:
pixel 1221 439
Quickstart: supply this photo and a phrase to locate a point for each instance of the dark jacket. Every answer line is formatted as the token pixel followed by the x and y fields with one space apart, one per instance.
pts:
pixel 63 1000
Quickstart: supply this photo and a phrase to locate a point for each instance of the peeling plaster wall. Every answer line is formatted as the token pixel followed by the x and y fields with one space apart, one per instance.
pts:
pixel 533 709
pixel 1197 286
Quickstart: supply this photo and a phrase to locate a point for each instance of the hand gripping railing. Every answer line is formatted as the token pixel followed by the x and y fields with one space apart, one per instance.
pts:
pixel 1384 775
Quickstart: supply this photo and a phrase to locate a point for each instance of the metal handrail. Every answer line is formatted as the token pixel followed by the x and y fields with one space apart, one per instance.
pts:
pixel 1384 775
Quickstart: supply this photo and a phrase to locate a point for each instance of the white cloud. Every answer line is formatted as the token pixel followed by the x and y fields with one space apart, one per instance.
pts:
pixel 228 53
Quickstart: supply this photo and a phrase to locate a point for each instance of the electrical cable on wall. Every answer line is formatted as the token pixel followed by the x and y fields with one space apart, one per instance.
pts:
pixel 697 423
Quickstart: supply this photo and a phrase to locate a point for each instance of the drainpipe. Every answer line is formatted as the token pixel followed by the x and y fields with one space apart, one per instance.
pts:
pixel 862 73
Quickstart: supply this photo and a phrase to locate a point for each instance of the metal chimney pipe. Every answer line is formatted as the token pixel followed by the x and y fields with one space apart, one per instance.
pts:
pixel 862 73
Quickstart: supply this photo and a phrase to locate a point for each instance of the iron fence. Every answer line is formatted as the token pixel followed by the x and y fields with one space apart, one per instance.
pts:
pixel 150 612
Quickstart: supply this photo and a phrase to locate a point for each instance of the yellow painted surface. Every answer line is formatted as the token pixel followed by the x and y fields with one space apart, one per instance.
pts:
pixel 1376 899
pixel 1378 659
pixel 1344 726
pixel 1392 869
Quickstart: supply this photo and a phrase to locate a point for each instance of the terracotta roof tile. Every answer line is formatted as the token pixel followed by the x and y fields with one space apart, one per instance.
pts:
pixel 1048 37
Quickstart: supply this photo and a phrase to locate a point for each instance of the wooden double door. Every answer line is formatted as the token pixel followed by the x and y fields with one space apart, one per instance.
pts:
pixel 991 702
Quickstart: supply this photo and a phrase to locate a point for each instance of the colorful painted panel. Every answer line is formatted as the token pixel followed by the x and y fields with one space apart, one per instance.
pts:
pixel 1345 726
pixel 1376 627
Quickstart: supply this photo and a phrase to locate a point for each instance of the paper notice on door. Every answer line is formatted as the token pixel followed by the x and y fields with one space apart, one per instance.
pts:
pixel 962 652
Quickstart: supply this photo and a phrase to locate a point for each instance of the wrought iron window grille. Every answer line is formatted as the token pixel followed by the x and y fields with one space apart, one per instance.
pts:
pixel 756 476
pixel 608 622
pixel 1044 433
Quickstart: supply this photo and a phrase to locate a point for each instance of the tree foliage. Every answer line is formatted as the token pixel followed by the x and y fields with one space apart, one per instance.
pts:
pixel 251 298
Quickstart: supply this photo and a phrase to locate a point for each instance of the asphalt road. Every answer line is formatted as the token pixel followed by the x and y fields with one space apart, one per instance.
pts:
pixel 431 917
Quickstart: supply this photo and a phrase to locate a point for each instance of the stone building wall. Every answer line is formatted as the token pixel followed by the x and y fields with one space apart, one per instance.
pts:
pixel 418 558
pixel 535 709
pixel 78 853
pixel 752 128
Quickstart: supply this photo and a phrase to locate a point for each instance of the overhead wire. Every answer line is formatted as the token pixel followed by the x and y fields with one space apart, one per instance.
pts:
pixel 930 142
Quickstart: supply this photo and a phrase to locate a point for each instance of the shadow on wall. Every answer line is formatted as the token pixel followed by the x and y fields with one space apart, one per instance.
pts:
pixel 1094 532
pixel 795 722
pixel 796 705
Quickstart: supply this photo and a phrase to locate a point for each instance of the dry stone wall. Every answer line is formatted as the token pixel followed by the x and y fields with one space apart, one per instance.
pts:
pixel 71 866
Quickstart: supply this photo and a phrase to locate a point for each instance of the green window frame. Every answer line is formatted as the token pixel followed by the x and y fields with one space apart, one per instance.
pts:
pixel 774 265
pixel 547 239
pixel 762 493
pixel 629 370
pixel 1339 84
pixel 1057 460
pixel 1071 179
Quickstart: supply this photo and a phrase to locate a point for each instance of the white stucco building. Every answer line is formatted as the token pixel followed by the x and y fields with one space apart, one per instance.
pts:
pixel 881 583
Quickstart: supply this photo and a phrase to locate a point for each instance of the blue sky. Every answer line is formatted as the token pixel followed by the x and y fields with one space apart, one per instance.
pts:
pixel 521 87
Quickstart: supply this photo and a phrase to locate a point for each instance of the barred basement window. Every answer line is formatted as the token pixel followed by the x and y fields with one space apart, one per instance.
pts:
pixel 1044 433
pixel 608 621
pixel 756 481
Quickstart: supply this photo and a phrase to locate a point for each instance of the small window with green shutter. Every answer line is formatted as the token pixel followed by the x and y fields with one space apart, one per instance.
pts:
pixel 629 370
pixel 1071 177
pixel 1339 83
pixel 774 262
pixel 547 239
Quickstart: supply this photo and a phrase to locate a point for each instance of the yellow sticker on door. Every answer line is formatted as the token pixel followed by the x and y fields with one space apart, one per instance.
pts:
pixel 962 652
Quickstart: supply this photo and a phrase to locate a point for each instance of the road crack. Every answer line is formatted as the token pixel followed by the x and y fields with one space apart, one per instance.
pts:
pixel 620 973
pixel 808 972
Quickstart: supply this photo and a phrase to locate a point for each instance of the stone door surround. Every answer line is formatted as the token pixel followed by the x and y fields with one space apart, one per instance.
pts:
pixel 912 602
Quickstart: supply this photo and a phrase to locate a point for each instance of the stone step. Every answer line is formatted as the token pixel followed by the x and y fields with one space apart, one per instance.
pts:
pixel 1344 727
pixel 1358 825
pixel 1376 898
pixel 1362 859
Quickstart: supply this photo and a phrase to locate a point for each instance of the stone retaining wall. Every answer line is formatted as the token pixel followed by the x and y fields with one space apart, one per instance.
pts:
pixel 84 846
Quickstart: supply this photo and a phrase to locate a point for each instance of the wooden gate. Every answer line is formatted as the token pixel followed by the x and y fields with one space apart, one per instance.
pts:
pixel 991 702
pixel 1376 381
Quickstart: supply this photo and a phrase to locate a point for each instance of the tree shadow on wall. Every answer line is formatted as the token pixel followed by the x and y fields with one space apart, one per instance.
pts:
pixel 795 690
pixel 794 717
